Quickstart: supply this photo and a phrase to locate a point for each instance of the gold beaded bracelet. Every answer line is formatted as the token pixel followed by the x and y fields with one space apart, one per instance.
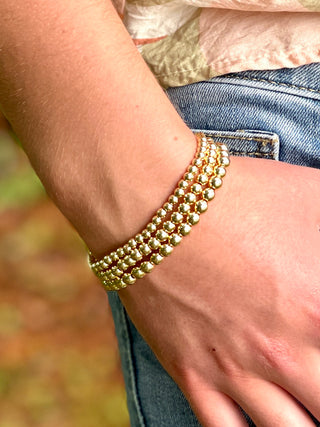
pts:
pixel 171 222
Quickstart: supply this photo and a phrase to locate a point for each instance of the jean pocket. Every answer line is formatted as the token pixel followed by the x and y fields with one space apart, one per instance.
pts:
pixel 248 143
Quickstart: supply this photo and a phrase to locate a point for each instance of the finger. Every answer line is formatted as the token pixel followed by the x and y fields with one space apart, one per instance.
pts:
pixel 268 404
pixel 304 383
pixel 215 409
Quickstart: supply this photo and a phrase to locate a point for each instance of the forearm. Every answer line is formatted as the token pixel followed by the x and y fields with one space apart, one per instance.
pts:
pixel 97 127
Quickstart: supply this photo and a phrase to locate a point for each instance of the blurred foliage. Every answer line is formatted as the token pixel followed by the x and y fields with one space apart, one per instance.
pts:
pixel 19 185
pixel 59 364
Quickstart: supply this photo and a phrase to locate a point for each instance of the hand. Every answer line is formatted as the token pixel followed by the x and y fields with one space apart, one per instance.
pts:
pixel 233 314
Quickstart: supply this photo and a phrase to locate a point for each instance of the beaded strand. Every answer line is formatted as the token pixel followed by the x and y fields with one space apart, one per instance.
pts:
pixel 171 222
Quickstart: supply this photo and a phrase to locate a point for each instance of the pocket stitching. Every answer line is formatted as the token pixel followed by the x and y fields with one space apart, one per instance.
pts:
pixel 277 83
pixel 253 153
pixel 265 142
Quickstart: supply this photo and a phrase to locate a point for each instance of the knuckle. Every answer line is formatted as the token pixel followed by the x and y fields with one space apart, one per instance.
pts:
pixel 277 354
pixel 313 313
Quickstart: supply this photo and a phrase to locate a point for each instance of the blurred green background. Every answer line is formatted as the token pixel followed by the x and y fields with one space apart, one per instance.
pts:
pixel 59 365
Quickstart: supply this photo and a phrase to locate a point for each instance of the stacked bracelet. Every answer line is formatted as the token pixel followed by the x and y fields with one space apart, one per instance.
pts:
pixel 171 222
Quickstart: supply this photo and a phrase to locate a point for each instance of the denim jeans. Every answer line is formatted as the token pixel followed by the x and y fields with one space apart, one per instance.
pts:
pixel 264 114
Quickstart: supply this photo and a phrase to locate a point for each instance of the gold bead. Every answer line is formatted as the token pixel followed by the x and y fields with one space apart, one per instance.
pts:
pixel 114 256
pixel 224 153
pixel 176 217
pixel 193 169
pixel 102 267
pixel 179 192
pixel 161 213
pixel 108 274
pixel 161 235
pixel 128 279
pixel 213 146
pixel 104 279
pixel 223 147
pixel 220 171
pixel 184 208
pixel 208 194
pixel 136 254
pixel 215 182
pixel 151 227
pixel 116 271
pixel 122 265
pixel 129 259
pixel 175 239
pixel 202 178
pixel 139 238
pixel 189 176
pixel 201 155
pixel 183 184
pixel 224 161
pixel 138 273
pixel 101 274
pixel 127 249
pixel 107 285
pixel 166 250
pixel 196 188
pixel 201 206
pixel 120 252
pixel 122 284
pixel 173 199
pixel 169 226
pixel 211 160
pixel 146 234
pixel 193 218
pixel 132 243
pixel 153 243
pixel 190 198
pixel 168 206
pixel 107 259
pixel 156 220
pixel 145 249
pixel 207 169
pixel 156 258
pixel 113 285
pixel 146 266
pixel 197 162
pixel 184 229
pixel 116 282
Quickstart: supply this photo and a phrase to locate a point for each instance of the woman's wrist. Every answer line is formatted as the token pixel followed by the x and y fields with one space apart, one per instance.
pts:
pixel 112 202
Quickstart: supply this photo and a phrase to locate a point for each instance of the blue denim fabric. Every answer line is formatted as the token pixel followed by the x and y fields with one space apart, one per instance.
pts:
pixel 265 114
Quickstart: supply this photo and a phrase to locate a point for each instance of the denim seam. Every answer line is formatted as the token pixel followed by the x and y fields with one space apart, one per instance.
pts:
pixel 129 357
pixel 277 83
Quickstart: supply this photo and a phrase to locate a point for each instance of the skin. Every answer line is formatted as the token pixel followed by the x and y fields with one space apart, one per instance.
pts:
pixel 243 290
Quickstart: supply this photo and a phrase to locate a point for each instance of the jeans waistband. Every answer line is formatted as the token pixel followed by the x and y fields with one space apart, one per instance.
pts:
pixel 304 77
